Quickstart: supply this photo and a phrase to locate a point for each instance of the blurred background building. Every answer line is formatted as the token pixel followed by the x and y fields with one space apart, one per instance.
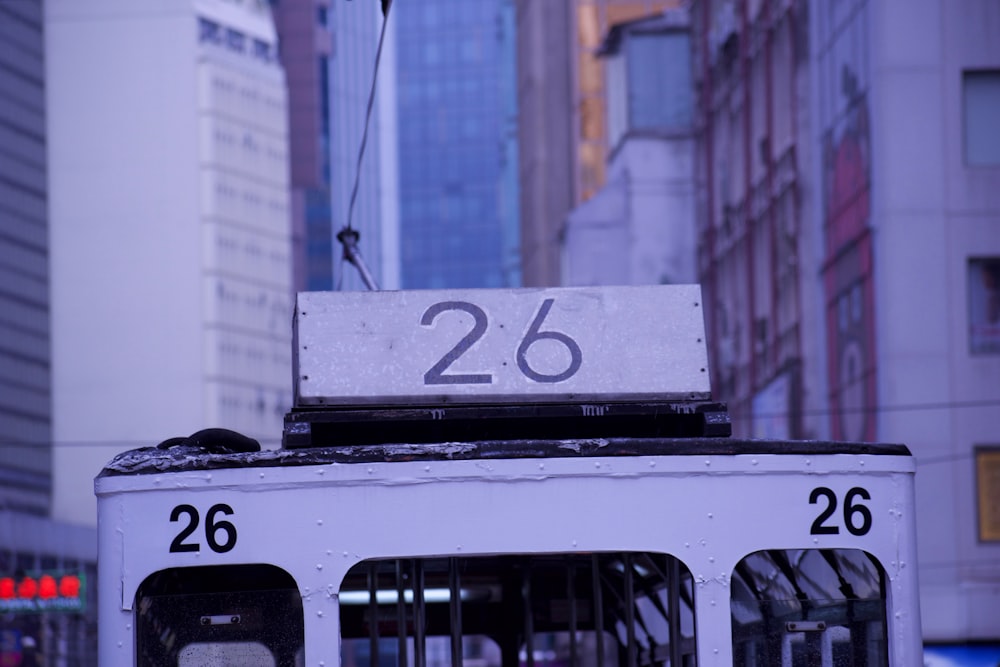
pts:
pixel 849 225
pixel 26 401
pixel 638 228
pixel 33 546
pixel 760 242
pixel 458 155
pixel 562 117
pixel 303 29
pixel 170 235
pixel 328 50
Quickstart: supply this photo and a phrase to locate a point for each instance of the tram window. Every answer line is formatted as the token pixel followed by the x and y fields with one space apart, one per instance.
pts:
pixel 798 608
pixel 605 610
pixel 219 616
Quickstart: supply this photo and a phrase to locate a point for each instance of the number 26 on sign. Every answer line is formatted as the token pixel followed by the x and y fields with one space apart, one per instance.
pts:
pixel 436 374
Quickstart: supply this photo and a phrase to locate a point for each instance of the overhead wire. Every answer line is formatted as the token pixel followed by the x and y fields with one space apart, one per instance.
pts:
pixel 348 236
pixel 368 114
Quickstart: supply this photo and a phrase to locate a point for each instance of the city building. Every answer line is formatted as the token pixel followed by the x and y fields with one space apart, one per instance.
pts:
pixel 303 28
pixel 25 378
pixel 170 237
pixel 562 117
pixel 849 225
pixel 638 228
pixel 328 50
pixel 34 549
pixel 458 155
pixel 758 252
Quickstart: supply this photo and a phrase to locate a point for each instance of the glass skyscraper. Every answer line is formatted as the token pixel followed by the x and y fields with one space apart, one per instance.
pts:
pixel 457 129
pixel 305 60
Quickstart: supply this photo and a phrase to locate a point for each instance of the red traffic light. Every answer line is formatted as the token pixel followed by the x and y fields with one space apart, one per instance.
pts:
pixel 7 588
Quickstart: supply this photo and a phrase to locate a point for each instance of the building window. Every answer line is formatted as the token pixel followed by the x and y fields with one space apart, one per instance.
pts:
pixel 984 305
pixel 981 108
pixel 263 51
pixel 209 31
pixel 235 40
pixel 659 81
pixel 988 492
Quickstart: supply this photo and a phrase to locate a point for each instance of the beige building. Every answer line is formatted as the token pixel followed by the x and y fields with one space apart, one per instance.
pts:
pixel 562 116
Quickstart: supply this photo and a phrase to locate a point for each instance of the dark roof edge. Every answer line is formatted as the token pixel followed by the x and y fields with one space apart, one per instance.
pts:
pixel 151 460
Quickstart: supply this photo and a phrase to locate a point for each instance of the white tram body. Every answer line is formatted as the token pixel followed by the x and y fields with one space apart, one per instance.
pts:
pixel 627 542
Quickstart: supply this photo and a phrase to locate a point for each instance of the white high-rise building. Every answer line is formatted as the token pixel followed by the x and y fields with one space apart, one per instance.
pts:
pixel 170 229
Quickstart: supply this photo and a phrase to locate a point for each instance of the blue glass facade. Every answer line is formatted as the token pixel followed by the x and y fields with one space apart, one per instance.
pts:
pixel 305 60
pixel 457 143
pixel 319 240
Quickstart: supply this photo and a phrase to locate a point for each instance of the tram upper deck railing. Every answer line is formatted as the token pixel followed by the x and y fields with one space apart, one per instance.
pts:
pixel 322 427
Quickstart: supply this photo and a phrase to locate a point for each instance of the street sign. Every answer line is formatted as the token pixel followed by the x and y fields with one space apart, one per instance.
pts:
pixel 582 345
pixel 43 592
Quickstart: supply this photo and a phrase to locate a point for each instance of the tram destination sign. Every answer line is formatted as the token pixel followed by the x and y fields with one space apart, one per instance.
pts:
pixel 429 347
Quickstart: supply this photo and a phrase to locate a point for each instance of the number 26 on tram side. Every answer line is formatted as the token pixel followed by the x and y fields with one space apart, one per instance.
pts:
pixel 507 478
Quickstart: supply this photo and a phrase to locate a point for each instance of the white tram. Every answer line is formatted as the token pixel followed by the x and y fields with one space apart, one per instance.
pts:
pixel 517 477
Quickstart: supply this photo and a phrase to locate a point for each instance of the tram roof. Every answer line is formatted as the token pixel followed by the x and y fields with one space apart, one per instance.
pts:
pixel 185 457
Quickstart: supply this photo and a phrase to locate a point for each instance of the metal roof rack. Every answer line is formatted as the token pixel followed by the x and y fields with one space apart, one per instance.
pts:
pixel 331 427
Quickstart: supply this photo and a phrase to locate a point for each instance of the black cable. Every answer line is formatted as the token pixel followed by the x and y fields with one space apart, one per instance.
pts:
pixel 386 6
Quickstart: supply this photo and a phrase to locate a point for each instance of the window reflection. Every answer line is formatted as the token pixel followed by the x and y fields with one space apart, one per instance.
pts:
pixel 247 615
pixel 605 609
pixel 809 606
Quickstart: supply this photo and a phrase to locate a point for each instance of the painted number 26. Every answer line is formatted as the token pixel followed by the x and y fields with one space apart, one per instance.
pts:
pixel 214 529
pixel 857 517
pixel 436 374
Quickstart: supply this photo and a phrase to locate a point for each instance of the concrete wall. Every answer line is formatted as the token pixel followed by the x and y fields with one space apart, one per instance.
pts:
pixel 933 213
pixel 638 229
